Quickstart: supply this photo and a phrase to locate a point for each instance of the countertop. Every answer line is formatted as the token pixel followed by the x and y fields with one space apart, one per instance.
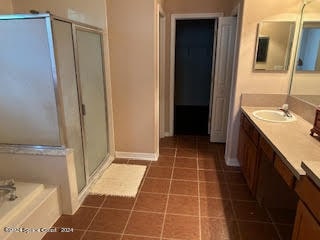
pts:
pixel 312 169
pixel 292 142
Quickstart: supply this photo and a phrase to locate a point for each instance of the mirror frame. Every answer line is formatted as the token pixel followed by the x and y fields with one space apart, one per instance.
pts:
pixel 286 66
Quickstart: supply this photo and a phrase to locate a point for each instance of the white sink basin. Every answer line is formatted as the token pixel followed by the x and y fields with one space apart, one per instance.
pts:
pixel 273 116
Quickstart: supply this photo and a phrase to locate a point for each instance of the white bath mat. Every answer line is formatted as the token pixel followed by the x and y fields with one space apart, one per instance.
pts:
pixel 120 180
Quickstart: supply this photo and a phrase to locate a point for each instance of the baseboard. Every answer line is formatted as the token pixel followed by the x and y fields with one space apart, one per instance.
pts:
pixel 138 156
pixel 233 162
pixel 167 134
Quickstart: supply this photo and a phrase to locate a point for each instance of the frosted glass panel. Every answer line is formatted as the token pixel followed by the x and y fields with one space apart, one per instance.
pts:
pixel 67 76
pixel 27 99
pixel 93 97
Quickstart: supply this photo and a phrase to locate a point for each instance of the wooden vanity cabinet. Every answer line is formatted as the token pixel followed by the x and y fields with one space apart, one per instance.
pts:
pixel 247 152
pixel 306 226
pixel 307 222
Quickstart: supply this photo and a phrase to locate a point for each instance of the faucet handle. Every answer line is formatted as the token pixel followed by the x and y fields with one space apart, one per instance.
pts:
pixel 285 106
pixel 10 182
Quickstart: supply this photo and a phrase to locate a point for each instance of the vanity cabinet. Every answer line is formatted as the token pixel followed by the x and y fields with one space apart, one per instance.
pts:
pixel 307 222
pixel 263 169
pixel 247 152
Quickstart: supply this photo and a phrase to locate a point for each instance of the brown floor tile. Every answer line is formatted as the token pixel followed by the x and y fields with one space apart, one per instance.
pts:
pixel 240 192
pixel 93 200
pixel 167 152
pixel 234 178
pixel 282 216
pixel 181 227
pixel 100 236
pixel 185 174
pixel 128 237
pixel 139 162
pixel 186 152
pixel 183 205
pixel 80 220
pixel 187 145
pixel 151 202
pixel 212 189
pixel 155 185
pixel 159 172
pixel 204 154
pixel 120 160
pixel 118 202
pixel 211 176
pixel 184 188
pixel 75 235
pixel 261 231
pixel 285 231
pixel 209 147
pixel 186 163
pixel 163 161
pixel 110 220
pixel 218 208
pixel 145 224
pixel 209 164
pixel 219 229
pixel 168 143
pixel 250 211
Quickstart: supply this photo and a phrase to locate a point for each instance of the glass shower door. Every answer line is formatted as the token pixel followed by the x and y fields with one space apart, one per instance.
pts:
pixel 92 96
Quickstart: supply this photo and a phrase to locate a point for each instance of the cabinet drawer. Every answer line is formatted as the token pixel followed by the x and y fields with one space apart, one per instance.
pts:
pixel 310 194
pixel 284 172
pixel 266 148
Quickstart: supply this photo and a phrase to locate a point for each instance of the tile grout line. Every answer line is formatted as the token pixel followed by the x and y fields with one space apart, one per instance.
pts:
pixel 168 195
pixel 232 204
pixel 98 210
pixel 273 223
pixel 135 201
pixel 199 199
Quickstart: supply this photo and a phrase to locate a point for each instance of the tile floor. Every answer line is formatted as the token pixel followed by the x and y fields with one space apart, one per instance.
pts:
pixel 189 193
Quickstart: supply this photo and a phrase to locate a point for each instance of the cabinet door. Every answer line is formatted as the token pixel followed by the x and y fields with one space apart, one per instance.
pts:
pixel 305 227
pixel 241 148
pixel 252 165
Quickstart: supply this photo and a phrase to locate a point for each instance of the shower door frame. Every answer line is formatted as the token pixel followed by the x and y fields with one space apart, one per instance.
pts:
pixel 86 28
pixel 89 178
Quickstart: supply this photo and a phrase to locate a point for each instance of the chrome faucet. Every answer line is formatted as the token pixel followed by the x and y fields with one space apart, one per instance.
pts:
pixel 285 109
pixel 9 186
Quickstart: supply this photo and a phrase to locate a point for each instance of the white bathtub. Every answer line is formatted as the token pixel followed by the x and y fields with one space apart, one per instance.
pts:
pixel 36 206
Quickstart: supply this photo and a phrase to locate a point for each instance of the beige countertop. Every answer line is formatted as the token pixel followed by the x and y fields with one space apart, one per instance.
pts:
pixel 312 169
pixel 291 141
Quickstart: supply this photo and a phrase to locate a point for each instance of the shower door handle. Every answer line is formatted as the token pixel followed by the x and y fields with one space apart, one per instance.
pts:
pixel 83 109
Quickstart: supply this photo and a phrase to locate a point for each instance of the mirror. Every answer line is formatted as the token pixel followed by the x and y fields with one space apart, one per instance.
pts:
pixel 305 82
pixel 273 46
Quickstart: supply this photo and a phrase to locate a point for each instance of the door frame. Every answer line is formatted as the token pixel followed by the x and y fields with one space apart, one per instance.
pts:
pixel 162 68
pixel 174 18
pixel 236 12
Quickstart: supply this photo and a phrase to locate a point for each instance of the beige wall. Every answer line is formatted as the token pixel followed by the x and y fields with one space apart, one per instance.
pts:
pixel 186 7
pixel 5 6
pixel 89 12
pixel 247 80
pixel 132 34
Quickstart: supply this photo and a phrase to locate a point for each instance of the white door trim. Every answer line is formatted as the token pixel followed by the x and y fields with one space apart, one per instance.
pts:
pixel 230 129
pixel 162 62
pixel 174 18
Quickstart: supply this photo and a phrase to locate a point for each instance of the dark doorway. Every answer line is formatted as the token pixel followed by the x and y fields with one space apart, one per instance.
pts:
pixel 193 69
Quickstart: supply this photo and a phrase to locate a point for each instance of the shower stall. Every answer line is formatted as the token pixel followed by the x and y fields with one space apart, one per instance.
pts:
pixel 53 89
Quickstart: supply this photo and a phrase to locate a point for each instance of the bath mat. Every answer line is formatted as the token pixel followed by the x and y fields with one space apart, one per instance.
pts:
pixel 119 180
